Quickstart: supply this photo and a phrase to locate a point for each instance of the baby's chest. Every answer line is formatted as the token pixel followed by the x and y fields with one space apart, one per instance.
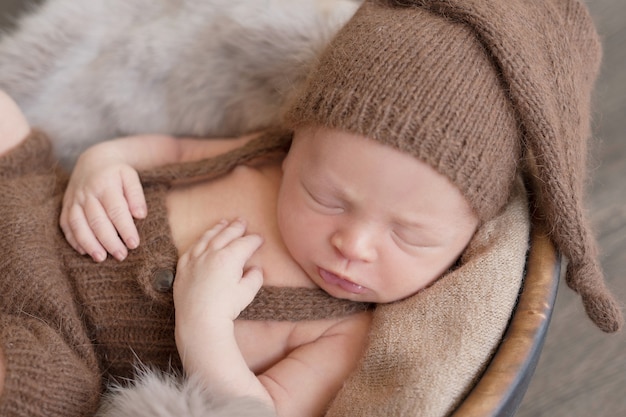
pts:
pixel 245 192
pixel 248 193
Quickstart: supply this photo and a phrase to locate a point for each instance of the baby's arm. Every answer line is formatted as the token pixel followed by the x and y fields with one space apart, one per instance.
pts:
pixel 211 288
pixel 104 193
pixel 305 382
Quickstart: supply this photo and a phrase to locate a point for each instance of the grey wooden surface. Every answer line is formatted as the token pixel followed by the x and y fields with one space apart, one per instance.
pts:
pixel 582 372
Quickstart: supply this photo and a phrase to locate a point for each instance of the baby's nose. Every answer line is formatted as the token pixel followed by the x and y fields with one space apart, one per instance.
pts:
pixel 355 243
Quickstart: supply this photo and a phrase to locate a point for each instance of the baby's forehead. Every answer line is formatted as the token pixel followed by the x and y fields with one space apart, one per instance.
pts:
pixel 345 159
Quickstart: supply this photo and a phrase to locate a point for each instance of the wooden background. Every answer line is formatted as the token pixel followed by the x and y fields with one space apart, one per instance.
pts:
pixel 582 372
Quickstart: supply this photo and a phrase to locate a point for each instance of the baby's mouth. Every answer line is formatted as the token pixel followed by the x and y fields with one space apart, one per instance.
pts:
pixel 347 285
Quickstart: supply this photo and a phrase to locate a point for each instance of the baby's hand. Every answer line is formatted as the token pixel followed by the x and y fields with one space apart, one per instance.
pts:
pixel 212 283
pixel 102 197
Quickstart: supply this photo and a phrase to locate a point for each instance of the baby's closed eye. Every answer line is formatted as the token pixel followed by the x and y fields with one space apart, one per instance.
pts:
pixel 323 201
pixel 413 238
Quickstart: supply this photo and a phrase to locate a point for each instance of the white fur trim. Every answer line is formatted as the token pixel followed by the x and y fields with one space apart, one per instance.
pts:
pixel 156 394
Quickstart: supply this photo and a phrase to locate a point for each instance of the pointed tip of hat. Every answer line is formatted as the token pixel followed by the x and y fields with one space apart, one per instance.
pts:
pixel 586 278
pixel 604 311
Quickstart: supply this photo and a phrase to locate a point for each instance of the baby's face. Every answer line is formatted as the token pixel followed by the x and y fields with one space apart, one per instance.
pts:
pixel 365 221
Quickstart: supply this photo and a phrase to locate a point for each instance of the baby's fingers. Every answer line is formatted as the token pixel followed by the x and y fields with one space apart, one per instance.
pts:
pixel 69 234
pixel 251 282
pixel 201 245
pixel 240 250
pixel 227 235
pixel 219 236
pixel 133 191
pixel 118 212
pixel 225 244
pixel 79 234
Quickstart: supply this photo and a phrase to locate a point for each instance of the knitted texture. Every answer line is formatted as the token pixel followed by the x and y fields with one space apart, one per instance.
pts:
pixel 480 90
pixel 272 141
pixel 297 304
pixel 51 367
pixel 37 153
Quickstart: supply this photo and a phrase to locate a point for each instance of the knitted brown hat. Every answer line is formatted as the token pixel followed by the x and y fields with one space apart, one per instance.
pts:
pixel 480 90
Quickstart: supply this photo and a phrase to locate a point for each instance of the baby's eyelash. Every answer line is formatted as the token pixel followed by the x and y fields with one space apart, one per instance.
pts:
pixel 403 240
pixel 320 201
pixel 415 243
pixel 324 203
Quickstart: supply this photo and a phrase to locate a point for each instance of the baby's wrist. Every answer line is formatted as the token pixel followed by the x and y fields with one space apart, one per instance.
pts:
pixel 197 345
pixel 202 333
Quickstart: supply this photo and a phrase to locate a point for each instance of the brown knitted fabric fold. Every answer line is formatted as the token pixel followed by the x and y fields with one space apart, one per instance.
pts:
pixel 273 140
pixel 480 90
pixel 297 304
pixel 63 384
pixel 36 151
pixel 52 369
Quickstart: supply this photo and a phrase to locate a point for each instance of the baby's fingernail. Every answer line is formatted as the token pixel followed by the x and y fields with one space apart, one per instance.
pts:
pixel 133 243
pixel 119 255
pixel 98 256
